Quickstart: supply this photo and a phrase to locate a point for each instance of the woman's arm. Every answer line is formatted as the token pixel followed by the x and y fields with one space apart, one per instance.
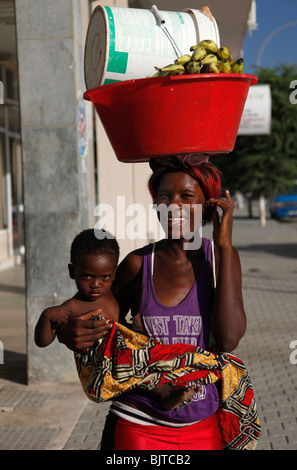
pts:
pixel 82 332
pixel 127 284
pixel 228 319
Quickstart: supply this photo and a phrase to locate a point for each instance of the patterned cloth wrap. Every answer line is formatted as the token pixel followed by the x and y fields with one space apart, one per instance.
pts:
pixel 125 360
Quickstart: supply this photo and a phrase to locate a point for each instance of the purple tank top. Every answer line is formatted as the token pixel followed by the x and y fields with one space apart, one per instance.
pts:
pixel 188 322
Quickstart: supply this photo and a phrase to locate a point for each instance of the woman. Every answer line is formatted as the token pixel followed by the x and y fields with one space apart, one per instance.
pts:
pixel 176 294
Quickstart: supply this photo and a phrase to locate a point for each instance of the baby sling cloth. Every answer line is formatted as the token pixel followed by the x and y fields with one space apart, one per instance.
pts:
pixel 125 360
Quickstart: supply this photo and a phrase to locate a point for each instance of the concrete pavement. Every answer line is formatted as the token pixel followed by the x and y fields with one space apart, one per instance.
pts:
pixel 58 416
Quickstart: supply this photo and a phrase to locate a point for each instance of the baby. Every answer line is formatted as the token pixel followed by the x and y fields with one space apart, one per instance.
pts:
pixel 93 263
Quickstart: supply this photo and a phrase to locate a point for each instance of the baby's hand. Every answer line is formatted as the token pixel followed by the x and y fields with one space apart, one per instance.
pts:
pixel 60 314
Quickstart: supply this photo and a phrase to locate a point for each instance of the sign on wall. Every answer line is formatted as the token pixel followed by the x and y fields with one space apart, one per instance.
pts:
pixel 256 116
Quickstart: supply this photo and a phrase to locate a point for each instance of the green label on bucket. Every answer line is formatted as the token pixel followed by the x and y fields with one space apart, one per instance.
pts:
pixel 109 80
pixel 117 61
pixel 180 18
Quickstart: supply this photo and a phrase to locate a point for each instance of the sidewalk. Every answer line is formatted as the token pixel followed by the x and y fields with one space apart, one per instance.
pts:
pixel 58 415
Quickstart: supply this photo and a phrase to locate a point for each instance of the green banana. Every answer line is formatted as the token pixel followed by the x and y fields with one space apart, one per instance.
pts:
pixel 209 59
pixel 209 45
pixel 212 68
pixel 225 66
pixel 193 67
pixel 237 67
pixel 183 59
pixel 174 69
pixel 157 74
pixel 224 53
pixel 206 58
pixel 199 53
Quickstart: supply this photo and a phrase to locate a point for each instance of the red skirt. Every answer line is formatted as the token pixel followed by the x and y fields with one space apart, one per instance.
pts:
pixel 121 434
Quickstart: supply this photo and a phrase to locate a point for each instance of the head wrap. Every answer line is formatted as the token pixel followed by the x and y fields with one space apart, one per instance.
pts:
pixel 178 162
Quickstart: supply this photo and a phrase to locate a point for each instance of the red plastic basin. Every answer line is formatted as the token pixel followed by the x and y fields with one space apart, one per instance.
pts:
pixel 151 117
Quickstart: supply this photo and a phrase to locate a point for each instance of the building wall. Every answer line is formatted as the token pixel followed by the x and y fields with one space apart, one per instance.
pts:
pixel 4 248
pixel 10 165
pixel 58 175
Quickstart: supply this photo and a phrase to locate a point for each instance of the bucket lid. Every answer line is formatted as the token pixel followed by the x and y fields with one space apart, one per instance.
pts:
pixel 206 25
pixel 96 45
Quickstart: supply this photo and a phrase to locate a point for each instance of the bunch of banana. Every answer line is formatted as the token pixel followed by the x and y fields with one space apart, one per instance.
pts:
pixel 206 57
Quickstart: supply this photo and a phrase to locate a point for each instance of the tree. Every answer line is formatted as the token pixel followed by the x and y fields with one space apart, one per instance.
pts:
pixel 263 164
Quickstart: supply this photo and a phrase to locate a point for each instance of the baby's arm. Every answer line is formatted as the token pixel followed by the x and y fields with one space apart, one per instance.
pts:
pixel 49 320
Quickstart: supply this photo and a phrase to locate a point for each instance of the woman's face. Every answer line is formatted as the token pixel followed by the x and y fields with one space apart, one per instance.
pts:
pixel 180 202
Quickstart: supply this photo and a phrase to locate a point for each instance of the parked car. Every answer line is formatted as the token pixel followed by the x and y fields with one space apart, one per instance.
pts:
pixel 284 205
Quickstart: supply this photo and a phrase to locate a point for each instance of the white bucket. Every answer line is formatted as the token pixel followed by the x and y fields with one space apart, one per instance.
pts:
pixel 128 43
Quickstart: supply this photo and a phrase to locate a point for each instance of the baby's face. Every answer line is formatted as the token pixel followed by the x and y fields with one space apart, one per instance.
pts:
pixel 93 275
